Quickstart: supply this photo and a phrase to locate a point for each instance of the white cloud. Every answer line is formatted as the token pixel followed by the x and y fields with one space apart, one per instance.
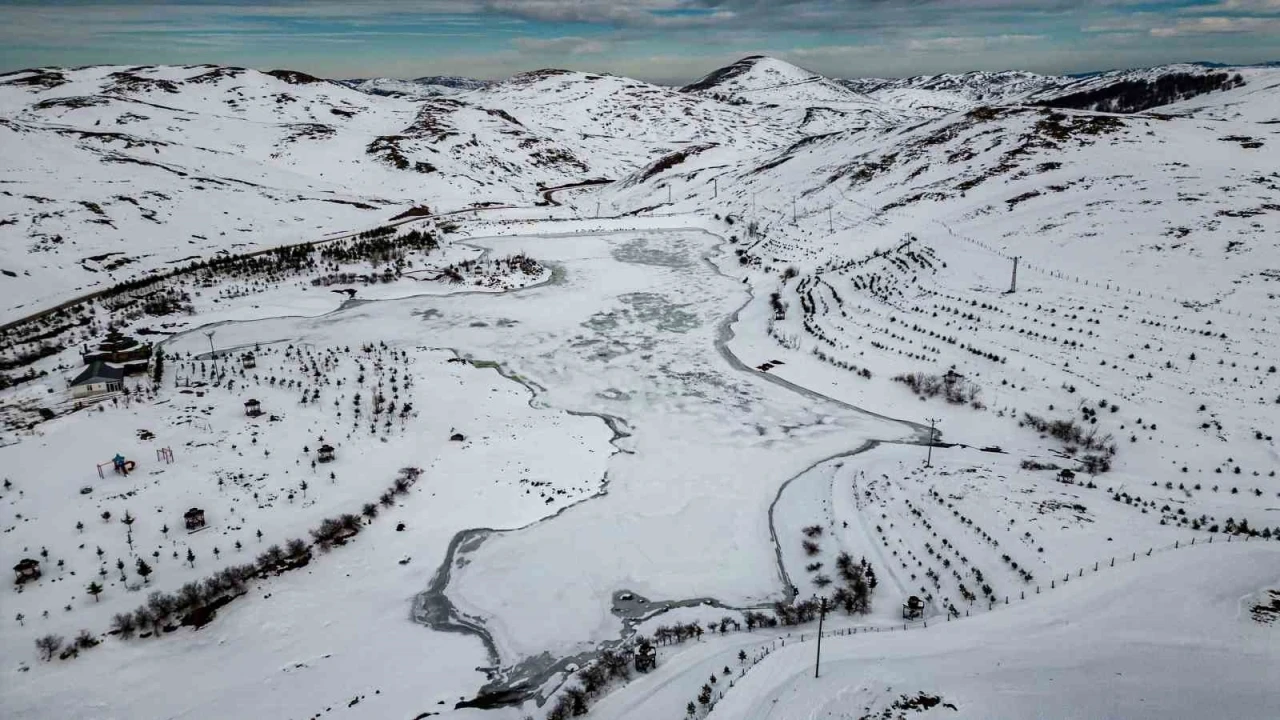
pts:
pixel 969 43
pixel 560 45
pixel 825 52
pixel 1217 25
pixel 1251 6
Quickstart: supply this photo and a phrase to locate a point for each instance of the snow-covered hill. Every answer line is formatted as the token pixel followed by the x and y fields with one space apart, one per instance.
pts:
pixel 714 379
pixel 801 98
pixel 956 91
pixel 417 88
pixel 114 171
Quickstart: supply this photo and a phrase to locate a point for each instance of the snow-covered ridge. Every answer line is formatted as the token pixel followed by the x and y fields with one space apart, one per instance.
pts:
pixel 156 164
pixel 417 88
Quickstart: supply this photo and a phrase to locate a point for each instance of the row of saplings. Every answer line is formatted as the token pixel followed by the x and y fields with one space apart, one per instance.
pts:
pixel 197 602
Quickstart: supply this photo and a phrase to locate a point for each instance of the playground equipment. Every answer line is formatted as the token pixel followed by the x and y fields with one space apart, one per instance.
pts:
pixel 119 465
pixel 164 455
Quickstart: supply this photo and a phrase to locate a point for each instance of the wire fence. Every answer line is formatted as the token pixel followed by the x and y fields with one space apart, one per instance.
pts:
pixel 1098 567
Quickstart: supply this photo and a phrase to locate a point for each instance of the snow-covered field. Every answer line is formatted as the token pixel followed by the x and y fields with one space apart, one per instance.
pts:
pixel 564 419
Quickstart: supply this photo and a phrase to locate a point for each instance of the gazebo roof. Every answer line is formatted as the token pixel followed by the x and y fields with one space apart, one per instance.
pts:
pixel 26 563
pixel 193 511
pixel 252 401
pixel 326 448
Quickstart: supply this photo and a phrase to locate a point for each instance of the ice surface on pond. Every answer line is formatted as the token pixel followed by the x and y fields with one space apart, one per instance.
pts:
pixel 687 514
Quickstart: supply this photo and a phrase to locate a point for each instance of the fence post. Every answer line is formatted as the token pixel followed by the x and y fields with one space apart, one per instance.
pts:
pixel 1037 589
pixel 1133 558
pixel 1052 584
pixel 1175 544
pixel 1095 566
pixel 1113 562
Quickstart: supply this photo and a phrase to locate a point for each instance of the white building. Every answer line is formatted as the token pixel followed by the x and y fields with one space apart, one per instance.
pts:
pixel 99 378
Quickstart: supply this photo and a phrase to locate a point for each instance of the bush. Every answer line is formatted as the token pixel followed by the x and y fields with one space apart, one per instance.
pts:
pixel 123 624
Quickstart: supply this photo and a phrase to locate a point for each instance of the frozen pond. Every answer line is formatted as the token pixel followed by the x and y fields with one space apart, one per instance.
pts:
pixel 634 328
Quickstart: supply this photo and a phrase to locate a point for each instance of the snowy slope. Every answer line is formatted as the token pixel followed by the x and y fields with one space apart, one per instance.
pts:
pixel 798 97
pixel 695 398
pixel 1050 657
pixel 417 88
pixel 160 164
pixel 956 91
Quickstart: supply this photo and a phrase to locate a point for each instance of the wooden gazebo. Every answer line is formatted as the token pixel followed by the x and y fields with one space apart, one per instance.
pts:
pixel 252 408
pixel 248 361
pixel 913 608
pixel 325 453
pixel 27 569
pixel 194 519
pixel 646 657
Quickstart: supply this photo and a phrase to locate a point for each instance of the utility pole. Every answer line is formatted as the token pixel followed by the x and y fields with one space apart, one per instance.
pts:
pixel 597 209
pixel 822 615
pixel 668 193
pixel 793 211
pixel 210 336
pixel 831 226
pixel 928 462
pixel 715 187
pixel 1013 284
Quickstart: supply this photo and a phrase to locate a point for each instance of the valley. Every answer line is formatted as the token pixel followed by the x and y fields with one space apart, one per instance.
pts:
pixel 603 365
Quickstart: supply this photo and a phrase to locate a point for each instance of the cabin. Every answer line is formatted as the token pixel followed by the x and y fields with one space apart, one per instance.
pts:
pixel 248 361
pixel 325 453
pixel 913 608
pixel 252 408
pixel 194 518
pixel 121 350
pixel 646 657
pixel 27 569
pixel 100 378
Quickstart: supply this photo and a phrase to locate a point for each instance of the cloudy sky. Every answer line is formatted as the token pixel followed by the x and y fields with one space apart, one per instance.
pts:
pixel 656 40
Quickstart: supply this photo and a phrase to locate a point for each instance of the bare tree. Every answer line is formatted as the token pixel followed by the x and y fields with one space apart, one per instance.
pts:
pixel 49 645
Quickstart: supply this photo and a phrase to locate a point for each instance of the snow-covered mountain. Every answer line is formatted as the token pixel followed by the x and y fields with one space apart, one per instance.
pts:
pixel 725 319
pixel 799 97
pixel 956 91
pixel 240 159
pixel 417 88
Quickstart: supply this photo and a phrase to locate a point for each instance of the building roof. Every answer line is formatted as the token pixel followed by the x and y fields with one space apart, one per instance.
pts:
pixel 98 371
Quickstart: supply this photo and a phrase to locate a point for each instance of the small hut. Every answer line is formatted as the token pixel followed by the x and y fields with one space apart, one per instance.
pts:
pixel 27 569
pixel 248 361
pixel 646 657
pixel 1067 476
pixel 194 519
pixel 913 608
pixel 325 453
pixel 252 408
